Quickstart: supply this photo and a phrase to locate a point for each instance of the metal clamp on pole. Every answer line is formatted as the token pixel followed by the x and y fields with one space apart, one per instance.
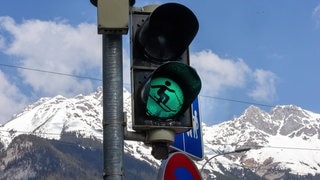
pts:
pixel 131 135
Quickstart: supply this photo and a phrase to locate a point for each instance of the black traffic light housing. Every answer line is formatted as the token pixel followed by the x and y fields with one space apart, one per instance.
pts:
pixel 163 83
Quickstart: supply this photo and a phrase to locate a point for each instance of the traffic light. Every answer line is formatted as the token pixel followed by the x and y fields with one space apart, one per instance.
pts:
pixel 163 84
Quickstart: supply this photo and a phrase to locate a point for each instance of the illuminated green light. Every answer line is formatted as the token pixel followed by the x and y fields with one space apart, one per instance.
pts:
pixel 165 98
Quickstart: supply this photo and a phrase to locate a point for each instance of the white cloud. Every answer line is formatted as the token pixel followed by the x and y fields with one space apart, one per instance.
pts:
pixel 316 14
pixel 54 46
pixel 50 46
pixel 126 68
pixel 11 99
pixel 265 87
pixel 2 43
pixel 217 73
pixel 60 47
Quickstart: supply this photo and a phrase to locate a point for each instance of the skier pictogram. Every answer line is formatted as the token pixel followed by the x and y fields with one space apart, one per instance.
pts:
pixel 163 96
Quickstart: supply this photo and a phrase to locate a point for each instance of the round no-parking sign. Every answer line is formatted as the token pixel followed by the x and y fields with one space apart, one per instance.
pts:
pixel 179 167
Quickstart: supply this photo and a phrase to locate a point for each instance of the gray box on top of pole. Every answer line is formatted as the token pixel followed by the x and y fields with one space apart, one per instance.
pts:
pixel 113 16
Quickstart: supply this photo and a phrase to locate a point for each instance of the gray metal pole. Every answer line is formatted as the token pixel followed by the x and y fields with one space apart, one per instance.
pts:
pixel 113 131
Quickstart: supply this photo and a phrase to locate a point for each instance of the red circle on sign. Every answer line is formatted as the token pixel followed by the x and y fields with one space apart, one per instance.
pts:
pixel 179 166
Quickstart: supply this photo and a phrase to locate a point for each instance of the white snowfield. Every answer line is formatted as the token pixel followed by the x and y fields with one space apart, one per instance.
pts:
pixel 288 137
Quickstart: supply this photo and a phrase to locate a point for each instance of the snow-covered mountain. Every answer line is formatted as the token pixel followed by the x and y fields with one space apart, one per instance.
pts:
pixel 49 117
pixel 82 115
pixel 284 142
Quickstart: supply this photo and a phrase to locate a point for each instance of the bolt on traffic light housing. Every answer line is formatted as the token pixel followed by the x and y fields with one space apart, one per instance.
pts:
pixel 164 85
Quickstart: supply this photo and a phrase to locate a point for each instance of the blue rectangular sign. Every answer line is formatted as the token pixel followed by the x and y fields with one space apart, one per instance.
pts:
pixel 190 142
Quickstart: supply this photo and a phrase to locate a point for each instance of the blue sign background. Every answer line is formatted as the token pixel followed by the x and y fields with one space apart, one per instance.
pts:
pixel 191 141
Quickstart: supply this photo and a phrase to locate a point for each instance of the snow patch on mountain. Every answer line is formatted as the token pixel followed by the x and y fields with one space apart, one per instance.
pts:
pixel 51 117
pixel 286 138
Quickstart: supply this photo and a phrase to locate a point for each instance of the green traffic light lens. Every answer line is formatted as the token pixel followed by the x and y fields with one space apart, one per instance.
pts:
pixel 165 98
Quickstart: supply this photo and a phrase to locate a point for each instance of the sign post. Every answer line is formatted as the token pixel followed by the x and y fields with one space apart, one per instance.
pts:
pixel 190 142
pixel 112 25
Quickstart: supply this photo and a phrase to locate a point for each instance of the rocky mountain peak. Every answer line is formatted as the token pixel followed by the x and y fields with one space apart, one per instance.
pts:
pixel 284 126
pixel 260 120
pixel 295 121
pixel 287 120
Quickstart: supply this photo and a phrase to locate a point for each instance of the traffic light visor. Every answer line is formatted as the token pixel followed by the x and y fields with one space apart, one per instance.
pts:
pixel 167 32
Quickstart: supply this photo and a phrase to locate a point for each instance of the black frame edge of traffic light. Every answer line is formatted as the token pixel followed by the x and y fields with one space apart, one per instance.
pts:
pixel 141 70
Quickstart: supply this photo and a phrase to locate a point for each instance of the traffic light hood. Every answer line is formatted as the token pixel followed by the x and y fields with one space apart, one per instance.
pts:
pixel 167 32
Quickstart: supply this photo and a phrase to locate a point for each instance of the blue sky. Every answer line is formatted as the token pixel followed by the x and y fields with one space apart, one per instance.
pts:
pixel 260 52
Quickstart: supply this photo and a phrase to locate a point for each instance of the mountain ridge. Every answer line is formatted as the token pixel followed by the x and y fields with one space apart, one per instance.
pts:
pixel 273 137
